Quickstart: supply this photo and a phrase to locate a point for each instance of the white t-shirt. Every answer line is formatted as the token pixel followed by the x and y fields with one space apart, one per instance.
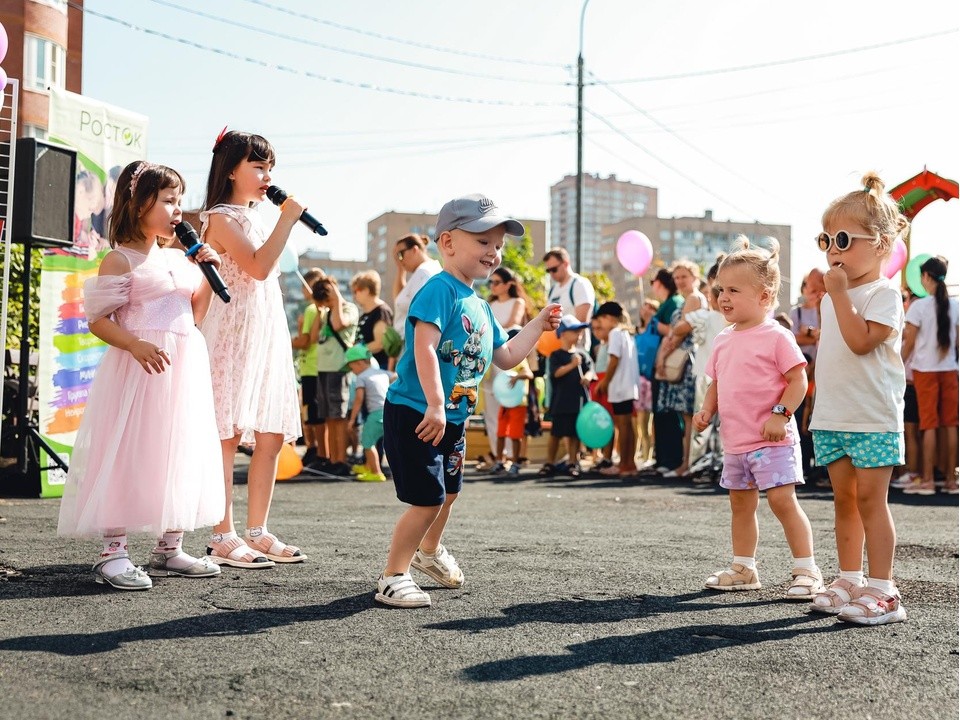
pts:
pixel 861 393
pixel 623 384
pixel 401 303
pixel 581 293
pixel 503 309
pixel 926 355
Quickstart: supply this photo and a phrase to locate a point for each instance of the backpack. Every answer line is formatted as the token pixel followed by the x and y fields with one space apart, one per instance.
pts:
pixel 648 342
pixel 392 342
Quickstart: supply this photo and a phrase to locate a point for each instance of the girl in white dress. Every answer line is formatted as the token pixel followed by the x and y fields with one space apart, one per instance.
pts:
pixel 253 377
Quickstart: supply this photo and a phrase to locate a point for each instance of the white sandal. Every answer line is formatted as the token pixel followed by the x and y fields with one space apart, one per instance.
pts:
pixel 401 591
pixel 236 550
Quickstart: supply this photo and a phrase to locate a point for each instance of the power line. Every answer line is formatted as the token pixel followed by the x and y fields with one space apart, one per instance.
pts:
pixel 404 41
pixel 789 61
pixel 315 76
pixel 355 53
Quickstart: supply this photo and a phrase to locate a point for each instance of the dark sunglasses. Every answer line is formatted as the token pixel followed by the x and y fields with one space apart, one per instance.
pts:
pixel 553 269
pixel 842 240
pixel 400 254
pixel 491 283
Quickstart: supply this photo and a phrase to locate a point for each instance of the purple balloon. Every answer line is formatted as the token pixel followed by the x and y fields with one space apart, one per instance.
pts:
pixel 4 44
pixel 635 251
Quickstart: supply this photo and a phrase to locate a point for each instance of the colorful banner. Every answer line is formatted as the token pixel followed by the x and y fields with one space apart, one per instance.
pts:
pixel 106 138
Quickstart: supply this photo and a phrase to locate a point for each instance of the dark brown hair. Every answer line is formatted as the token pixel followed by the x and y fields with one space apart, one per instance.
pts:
pixel 233 148
pixel 936 269
pixel 129 206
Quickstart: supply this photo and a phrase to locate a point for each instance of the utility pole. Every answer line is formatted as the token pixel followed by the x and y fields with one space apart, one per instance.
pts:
pixel 578 255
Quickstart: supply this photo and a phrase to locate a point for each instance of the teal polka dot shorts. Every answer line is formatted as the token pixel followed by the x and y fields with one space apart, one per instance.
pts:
pixel 865 449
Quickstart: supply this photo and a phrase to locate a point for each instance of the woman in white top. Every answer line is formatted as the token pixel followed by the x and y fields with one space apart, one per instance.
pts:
pixel 414 268
pixel 509 303
pixel 930 343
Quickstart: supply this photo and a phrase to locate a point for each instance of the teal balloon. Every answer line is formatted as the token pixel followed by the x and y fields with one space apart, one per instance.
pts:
pixel 594 425
pixel 288 259
pixel 509 397
pixel 913 274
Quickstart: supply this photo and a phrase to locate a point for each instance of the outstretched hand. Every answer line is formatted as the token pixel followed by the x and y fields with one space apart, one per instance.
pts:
pixel 549 317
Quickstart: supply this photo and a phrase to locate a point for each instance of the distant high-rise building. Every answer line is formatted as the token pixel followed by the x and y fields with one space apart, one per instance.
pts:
pixel 605 201
pixel 700 239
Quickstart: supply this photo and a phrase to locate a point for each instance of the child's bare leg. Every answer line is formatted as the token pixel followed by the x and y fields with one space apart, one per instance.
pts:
pixel 261 477
pixel 573 450
pixel 744 529
pixel 408 535
pixel 553 445
pixel 628 455
pixel 501 443
pixel 878 528
pixel 796 525
pixel 373 460
pixel 848 525
pixel 228 448
pixel 431 541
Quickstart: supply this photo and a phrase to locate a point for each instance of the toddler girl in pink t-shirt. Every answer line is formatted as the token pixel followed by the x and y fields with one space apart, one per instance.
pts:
pixel 758 381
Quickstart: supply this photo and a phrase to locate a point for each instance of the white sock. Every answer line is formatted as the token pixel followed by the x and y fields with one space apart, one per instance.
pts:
pixel 169 542
pixel 805 562
pixel 114 545
pixel 217 538
pixel 255 533
pixel 854 576
pixel 887 587
pixel 748 562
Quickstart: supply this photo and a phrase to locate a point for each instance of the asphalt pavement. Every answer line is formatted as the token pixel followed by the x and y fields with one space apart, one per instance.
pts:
pixel 583 599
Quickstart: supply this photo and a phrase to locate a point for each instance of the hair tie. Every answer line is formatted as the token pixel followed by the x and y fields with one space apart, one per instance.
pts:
pixel 136 176
pixel 866 189
pixel 941 278
pixel 219 138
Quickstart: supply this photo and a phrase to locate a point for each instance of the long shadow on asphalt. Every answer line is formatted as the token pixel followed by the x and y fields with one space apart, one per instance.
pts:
pixel 656 646
pixel 219 624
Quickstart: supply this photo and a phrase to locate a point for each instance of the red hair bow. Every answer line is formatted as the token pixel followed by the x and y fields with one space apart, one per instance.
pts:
pixel 219 138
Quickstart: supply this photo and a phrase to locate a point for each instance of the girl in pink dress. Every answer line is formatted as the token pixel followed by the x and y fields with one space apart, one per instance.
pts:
pixel 144 458
pixel 249 343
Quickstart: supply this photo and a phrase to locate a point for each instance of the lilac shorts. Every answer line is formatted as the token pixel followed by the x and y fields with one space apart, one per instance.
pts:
pixel 763 468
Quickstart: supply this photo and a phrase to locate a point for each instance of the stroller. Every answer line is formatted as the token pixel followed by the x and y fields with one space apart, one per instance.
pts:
pixel 707 468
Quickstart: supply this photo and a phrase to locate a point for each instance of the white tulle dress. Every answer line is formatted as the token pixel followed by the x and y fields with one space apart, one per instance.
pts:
pixel 147 456
pixel 249 343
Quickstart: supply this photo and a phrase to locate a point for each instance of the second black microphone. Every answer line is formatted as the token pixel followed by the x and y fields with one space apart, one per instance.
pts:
pixel 277 196
pixel 191 241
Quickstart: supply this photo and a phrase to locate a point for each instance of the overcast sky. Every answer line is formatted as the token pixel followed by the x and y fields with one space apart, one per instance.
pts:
pixel 755 110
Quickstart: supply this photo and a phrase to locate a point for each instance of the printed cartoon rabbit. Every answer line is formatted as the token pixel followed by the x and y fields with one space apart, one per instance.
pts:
pixel 469 365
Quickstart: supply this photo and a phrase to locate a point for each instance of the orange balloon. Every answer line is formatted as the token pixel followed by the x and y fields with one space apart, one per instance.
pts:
pixel 289 464
pixel 548 343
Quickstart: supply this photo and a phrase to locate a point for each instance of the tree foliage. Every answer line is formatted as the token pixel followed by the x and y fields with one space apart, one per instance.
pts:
pixel 15 300
pixel 602 286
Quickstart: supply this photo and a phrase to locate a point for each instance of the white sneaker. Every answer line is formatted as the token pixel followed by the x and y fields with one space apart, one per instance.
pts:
pixel 441 566
pixel 400 591
pixel 904 480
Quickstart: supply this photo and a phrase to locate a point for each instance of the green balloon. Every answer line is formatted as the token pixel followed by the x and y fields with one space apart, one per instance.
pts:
pixel 594 425
pixel 913 274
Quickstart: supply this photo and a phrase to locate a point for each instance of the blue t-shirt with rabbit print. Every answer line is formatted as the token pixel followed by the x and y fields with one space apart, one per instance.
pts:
pixel 469 333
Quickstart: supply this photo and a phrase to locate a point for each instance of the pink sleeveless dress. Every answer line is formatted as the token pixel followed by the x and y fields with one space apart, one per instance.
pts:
pixel 249 342
pixel 147 457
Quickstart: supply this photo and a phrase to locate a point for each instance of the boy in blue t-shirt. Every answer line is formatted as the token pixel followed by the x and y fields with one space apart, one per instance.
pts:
pixel 452 337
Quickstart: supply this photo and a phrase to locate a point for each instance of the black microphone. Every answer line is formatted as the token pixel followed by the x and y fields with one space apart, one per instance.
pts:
pixel 277 196
pixel 191 241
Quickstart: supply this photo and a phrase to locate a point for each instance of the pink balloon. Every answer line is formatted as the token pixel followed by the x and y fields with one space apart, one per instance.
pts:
pixel 3 79
pixel 897 259
pixel 4 42
pixel 635 251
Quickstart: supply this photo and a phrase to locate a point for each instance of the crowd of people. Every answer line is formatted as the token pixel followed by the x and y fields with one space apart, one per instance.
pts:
pixel 706 359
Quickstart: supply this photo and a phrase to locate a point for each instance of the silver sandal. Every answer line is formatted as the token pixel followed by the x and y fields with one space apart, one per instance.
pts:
pixel 201 567
pixel 133 579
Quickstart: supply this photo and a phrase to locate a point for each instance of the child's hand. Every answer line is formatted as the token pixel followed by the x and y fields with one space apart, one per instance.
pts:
pixel 701 421
pixel 602 386
pixel 291 209
pixel 150 357
pixel 576 360
pixel 434 422
pixel 514 380
pixel 549 317
pixel 775 428
pixel 207 254
pixel 835 279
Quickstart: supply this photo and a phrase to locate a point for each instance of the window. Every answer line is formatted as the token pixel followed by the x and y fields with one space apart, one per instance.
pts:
pixel 34 131
pixel 60 5
pixel 44 63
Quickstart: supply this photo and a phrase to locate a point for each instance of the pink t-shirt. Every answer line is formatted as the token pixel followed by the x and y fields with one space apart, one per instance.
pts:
pixel 748 368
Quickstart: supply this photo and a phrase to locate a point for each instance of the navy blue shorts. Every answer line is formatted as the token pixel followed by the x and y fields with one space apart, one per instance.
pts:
pixel 564 425
pixel 422 474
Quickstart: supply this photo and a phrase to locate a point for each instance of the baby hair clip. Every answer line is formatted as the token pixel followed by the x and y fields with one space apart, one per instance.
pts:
pixel 136 176
pixel 219 138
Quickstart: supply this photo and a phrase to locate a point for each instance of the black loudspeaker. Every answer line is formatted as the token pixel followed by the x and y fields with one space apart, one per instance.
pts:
pixel 43 196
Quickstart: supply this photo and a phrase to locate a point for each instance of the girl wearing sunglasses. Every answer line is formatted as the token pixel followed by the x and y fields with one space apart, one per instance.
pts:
pixel 858 415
